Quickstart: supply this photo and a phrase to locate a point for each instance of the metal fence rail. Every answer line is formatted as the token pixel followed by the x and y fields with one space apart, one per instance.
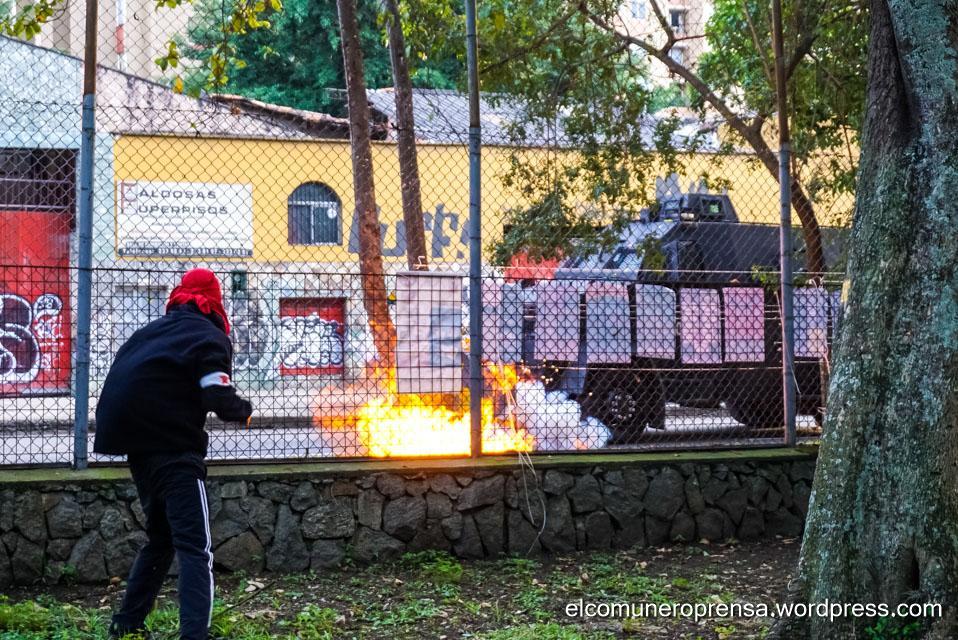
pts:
pixel 584 361
pixel 612 296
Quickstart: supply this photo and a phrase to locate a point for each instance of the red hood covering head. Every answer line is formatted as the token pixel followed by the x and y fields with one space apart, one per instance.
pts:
pixel 200 287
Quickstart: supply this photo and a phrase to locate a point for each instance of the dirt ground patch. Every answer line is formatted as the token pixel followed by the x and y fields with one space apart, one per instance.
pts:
pixel 432 595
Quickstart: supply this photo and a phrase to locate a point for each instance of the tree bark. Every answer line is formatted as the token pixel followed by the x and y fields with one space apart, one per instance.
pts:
pixel 416 254
pixel 883 519
pixel 372 275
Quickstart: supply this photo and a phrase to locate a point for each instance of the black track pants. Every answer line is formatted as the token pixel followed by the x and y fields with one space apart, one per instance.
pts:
pixel 173 495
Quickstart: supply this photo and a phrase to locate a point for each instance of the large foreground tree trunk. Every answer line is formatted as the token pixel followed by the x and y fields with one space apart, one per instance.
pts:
pixel 416 255
pixel 883 520
pixel 372 275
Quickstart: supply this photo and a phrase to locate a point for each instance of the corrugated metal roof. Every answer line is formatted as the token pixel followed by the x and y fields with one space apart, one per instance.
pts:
pixel 443 117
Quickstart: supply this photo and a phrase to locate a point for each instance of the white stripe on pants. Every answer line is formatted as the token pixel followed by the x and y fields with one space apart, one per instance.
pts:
pixel 209 543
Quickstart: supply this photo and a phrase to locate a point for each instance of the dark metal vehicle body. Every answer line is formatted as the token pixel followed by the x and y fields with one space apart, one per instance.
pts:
pixel 703 247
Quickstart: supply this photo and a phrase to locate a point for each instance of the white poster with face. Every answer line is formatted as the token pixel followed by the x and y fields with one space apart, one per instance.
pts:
pixel 701 326
pixel 607 322
pixel 429 356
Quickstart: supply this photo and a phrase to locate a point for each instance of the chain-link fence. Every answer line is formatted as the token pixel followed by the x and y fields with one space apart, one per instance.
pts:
pixel 630 292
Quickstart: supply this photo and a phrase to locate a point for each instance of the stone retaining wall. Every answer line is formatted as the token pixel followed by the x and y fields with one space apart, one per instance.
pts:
pixel 90 529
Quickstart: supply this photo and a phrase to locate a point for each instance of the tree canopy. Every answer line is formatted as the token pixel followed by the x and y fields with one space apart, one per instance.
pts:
pixel 826 46
pixel 298 58
pixel 576 64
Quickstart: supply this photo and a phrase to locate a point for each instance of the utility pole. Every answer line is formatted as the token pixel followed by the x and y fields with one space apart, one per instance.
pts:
pixel 785 231
pixel 475 234
pixel 81 413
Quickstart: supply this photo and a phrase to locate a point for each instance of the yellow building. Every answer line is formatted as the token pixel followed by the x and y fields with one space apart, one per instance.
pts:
pixel 277 170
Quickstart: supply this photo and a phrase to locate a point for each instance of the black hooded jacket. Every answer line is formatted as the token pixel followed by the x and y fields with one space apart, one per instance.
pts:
pixel 163 382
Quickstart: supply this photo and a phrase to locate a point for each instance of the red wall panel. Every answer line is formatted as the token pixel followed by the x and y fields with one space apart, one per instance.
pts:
pixel 35 327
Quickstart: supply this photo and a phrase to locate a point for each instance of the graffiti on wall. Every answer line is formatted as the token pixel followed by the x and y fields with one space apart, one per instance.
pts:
pixel 19 348
pixel 32 349
pixel 34 303
pixel 312 336
pixel 447 235
pixel 447 232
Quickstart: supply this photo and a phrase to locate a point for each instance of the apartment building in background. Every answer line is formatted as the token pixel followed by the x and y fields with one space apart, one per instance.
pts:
pixel 132 34
pixel 686 18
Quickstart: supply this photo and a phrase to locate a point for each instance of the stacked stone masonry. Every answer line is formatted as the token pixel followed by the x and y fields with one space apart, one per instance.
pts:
pixel 90 531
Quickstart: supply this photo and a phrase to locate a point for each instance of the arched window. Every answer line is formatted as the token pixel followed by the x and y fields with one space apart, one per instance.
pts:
pixel 315 215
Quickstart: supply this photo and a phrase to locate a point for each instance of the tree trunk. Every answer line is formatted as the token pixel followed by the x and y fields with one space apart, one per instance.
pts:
pixel 416 254
pixel 372 275
pixel 883 518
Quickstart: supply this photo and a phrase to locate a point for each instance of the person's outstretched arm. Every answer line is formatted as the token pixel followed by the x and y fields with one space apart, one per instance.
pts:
pixel 219 395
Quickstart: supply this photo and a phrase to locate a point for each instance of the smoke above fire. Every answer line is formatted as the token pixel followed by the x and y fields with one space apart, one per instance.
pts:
pixel 555 421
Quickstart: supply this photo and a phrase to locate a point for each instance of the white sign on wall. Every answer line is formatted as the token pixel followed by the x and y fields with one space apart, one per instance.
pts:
pixel 184 219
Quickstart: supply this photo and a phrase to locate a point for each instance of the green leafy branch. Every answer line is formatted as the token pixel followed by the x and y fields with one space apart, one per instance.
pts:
pixel 238 18
pixel 244 16
pixel 27 22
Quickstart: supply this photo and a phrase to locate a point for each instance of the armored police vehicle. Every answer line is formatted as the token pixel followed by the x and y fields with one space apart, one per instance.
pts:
pixel 679 312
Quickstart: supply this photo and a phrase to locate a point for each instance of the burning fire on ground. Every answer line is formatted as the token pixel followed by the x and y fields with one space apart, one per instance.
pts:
pixel 406 425
pixel 395 424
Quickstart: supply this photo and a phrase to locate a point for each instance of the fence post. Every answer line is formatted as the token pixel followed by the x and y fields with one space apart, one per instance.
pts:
pixel 475 236
pixel 81 415
pixel 785 231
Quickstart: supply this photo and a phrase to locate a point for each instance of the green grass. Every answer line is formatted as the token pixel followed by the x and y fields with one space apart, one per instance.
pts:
pixel 405 613
pixel 436 567
pixel 605 578
pixel 46 619
pixel 890 629
pixel 548 631
pixel 314 623
pixel 428 594
pixel 518 566
pixel 534 602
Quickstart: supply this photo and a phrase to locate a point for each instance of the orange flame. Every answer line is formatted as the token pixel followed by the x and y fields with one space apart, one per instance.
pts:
pixel 424 424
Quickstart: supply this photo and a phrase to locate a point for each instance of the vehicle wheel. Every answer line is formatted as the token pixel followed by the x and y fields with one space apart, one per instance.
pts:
pixel 757 415
pixel 760 403
pixel 625 402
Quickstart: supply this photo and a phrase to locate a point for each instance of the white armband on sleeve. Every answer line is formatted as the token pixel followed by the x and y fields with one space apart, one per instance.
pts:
pixel 216 379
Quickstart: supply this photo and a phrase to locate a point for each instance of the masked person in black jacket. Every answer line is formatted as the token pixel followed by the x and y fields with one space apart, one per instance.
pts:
pixel 153 407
